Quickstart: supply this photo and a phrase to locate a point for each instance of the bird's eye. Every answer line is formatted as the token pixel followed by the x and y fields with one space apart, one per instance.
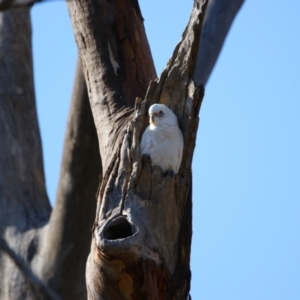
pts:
pixel 161 113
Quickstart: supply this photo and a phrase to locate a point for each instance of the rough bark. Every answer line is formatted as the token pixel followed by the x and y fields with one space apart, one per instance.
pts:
pixel 116 61
pixel 140 247
pixel 217 22
pixel 8 4
pixel 23 200
pixel 66 240
pixel 38 288
pixel 142 235
pixel 57 251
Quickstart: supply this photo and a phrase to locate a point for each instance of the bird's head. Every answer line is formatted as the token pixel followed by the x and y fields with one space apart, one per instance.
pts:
pixel 161 115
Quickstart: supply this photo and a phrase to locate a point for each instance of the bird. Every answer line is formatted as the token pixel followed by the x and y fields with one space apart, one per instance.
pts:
pixel 163 140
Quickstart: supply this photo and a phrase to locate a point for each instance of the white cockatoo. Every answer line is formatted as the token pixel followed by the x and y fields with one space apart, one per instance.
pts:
pixel 163 139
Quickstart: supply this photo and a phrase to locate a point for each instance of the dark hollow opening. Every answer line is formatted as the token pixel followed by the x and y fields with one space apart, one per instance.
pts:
pixel 118 229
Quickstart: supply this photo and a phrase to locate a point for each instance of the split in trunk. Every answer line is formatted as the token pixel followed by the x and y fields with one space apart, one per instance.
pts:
pixel 142 235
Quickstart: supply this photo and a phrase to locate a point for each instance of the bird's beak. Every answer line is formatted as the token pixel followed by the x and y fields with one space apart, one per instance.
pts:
pixel 152 119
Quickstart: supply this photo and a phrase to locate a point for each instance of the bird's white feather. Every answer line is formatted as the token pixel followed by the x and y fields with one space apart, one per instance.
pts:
pixel 163 139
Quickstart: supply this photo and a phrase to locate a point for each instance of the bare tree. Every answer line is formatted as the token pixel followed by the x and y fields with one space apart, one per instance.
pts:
pixel 141 218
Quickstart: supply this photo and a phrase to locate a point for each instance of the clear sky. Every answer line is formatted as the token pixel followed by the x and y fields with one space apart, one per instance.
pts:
pixel 246 196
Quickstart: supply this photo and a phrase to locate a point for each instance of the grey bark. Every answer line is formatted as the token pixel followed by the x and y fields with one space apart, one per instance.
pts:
pixel 218 20
pixel 118 66
pixel 23 200
pixel 140 248
pixel 38 288
pixel 7 4
pixel 57 251
pixel 116 61
pixel 66 240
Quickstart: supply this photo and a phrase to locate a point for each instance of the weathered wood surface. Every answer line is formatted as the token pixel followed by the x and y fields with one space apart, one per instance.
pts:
pixel 142 235
pixel 217 22
pixel 135 221
pixel 66 240
pixel 116 62
pixel 24 205
pixel 56 250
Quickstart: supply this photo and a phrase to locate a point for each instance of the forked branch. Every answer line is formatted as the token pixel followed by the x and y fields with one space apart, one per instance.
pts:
pixel 141 244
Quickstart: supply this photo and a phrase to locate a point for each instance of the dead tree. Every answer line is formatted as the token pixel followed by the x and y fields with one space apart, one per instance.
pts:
pixel 142 234
pixel 142 224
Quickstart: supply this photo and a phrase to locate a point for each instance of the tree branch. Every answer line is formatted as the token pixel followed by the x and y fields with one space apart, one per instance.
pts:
pixel 141 243
pixel 143 233
pixel 39 289
pixel 219 17
pixel 10 4
pixel 20 147
pixel 25 208
pixel 117 63
pixel 67 240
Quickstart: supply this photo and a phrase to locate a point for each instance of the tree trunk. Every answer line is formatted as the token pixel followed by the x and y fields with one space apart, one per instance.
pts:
pixel 66 240
pixel 142 235
pixel 142 231
pixel 55 250
pixel 25 208
pixel 116 61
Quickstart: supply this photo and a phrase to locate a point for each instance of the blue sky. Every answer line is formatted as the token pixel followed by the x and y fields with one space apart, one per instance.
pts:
pixel 246 168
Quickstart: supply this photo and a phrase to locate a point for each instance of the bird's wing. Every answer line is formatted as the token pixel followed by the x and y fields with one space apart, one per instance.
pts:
pixel 146 142
pixel 179 149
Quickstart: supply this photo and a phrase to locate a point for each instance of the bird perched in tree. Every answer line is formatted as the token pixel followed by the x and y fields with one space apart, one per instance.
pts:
pixel 163 139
